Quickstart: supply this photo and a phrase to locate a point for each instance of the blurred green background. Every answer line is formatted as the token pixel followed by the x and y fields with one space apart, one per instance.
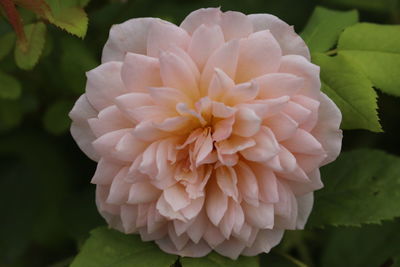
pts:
pixel 46 200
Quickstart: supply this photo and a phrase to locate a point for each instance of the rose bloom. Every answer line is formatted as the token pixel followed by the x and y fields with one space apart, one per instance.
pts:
pixel 208 136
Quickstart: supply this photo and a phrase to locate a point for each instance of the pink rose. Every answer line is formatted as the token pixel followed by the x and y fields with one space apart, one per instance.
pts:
pixel 208 136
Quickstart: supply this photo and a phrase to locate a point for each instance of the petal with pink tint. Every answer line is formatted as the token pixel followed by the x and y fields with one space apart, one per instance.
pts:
pixel 178 241
pixel 169 97
pixel 259 54
pixel 106 171
pixel 247 123
pixel 148 131
pixel 213 236
pixel 129 147
pixel 282 125
pixel 267 183
pixel 312 105
pixel 108 120
pixel 110 212
pixel 176 74
pixel 247 183
pixel 266 146
pixel 284 161
pixel 228 221
pixel 198 228
pixel 289 41
pixel 305 204
pixel 130 36
pixel 190 250
pixel 227 181
pixel 303 142
pixel 119 188
pixel 285 208
pixel 327 130
pixel 223 129
pixel 205 40
pixel 206 16
pixel 166 210
pixel 176 197
pixel 278 84
pixel 219 85
pixel 302 67
pixel 234 144
pixel 140 72
pixel 224 58
pixel 80 129
pixel 105 144
pixel 220 110
pixel 297 112
pixel 143 192
pixel 266 239
pixel 240 93
pixel 128 102
pixel 261 217
pixel 128 218
pixel 265 108
pixel 162 34
pixel 310 162
pixel 193 209
pixel 235 25
pixel 153 113
pixel 216 203
pixel 104 84
pixel 230 248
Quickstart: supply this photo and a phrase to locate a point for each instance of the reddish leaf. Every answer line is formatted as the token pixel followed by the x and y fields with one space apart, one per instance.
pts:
pixel 14 18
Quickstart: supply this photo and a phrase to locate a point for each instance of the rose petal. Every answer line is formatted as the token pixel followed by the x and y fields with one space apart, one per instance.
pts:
pixel 259 54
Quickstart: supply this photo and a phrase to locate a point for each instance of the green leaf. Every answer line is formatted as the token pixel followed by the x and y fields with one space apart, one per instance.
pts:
pixel 382 6
pixel 361 186
pixel 371 245
pixel 56 119
pixel 107 247
pixel 214 259
pixel 10 88
pixel 324 27
pixel 68 17
pixel 351 90
pixel 376 51
pixel 7 42
pixel 27 55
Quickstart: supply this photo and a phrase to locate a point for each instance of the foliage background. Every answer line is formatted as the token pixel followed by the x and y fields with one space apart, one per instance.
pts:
pixel 46 201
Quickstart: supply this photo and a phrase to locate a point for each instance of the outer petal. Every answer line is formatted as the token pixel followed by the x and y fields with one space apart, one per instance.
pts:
pixel 290 42
pixel 266 239
pixel 104 84
pixel 130 36
pixel 206 16
pixel 235 25
pixel 304 205
pixel 302 67
pixel 163 34
pixel 327 129
pixel 80 129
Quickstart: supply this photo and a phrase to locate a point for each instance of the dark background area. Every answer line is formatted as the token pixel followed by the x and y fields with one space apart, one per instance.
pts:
pixel 47 203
